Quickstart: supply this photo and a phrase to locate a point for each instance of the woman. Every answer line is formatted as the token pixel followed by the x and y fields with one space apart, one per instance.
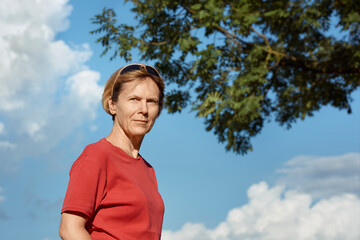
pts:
pixel 112 192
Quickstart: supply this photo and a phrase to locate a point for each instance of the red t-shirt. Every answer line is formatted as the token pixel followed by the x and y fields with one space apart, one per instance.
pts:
pixel 117 193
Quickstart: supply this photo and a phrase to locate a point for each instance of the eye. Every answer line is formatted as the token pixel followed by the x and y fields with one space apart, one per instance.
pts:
pixel 133 99
pixel 153 101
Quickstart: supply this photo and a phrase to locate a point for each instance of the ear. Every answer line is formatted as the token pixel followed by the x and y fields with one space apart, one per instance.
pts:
pixel 112 107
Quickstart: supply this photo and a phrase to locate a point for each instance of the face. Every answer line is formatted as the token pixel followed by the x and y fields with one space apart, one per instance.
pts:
pixel 136 108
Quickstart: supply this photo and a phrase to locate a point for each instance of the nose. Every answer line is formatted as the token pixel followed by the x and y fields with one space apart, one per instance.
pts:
pixel 143 107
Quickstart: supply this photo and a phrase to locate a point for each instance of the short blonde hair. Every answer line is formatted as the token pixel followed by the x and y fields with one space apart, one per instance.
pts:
pixel 115 83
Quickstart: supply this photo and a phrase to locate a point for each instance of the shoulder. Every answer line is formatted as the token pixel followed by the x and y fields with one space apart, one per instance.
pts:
pixel 95 149
pixel 94 154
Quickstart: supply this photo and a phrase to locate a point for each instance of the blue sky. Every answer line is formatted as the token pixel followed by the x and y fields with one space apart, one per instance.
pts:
pixel 305 179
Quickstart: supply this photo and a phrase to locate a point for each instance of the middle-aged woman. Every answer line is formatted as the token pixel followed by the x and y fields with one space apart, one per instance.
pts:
pixel 112 191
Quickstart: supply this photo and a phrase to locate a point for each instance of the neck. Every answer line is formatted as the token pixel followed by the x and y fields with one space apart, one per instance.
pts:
pixel 129 144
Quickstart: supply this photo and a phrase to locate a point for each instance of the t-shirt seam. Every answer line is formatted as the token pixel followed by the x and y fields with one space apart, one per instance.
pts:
pixel 76 209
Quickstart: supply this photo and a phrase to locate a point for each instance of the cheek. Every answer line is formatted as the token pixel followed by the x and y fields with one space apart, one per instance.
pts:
pixel 155 112
pixel 127 109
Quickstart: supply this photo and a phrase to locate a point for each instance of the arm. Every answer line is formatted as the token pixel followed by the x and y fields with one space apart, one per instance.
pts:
pixel 72 227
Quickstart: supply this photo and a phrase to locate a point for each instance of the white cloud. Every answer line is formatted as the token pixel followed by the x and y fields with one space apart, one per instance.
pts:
pixel 84 89
pixel 7 145
pixel 276 214
pixel 47 90
pixel 323 176
pixel 306 204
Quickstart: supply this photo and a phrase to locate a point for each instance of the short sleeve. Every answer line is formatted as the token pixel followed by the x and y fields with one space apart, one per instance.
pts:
pixel 87 184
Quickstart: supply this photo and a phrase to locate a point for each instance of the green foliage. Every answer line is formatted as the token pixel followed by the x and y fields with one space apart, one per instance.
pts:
pixel 244 61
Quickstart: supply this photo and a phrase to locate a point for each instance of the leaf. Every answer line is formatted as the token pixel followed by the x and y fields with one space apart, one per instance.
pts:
pixel 237 63
pixel 196 6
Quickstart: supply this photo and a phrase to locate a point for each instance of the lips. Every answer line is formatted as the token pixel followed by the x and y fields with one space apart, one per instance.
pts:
pixel 141 121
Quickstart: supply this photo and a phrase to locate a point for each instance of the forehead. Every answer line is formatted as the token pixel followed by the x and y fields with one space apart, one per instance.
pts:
pixel 141 87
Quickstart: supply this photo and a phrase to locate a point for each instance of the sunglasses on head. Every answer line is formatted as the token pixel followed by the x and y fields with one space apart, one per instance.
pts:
pixel 134 67
pixel 137 66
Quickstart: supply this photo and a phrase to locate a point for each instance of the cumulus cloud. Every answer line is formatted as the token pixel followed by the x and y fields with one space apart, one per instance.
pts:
pixel 323 176
pixel 277 214
pixel 88 95
pixel 7 145
pixel 47 89
pixel 316 198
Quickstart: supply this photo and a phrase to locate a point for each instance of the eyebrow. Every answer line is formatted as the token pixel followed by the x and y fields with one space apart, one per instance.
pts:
pixel 137 96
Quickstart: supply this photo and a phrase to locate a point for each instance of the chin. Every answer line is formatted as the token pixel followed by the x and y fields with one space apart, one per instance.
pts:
pixel 140 132
pixel 137 130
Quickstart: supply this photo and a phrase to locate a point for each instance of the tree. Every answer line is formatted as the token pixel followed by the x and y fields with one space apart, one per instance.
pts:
pixel 240 63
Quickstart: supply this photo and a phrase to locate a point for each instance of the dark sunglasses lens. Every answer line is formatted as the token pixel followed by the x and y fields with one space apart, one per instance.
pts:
pixel 134 67
pixel 152 71
pixel 130 68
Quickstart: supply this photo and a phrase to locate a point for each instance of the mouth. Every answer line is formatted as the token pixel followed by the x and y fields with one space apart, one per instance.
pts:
pixel 141 121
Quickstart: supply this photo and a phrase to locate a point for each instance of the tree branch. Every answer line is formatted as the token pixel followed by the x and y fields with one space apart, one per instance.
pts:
pixel 329 70
pixel 270 50
pixel 158 43
pixel 231 36
pixel 227 34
